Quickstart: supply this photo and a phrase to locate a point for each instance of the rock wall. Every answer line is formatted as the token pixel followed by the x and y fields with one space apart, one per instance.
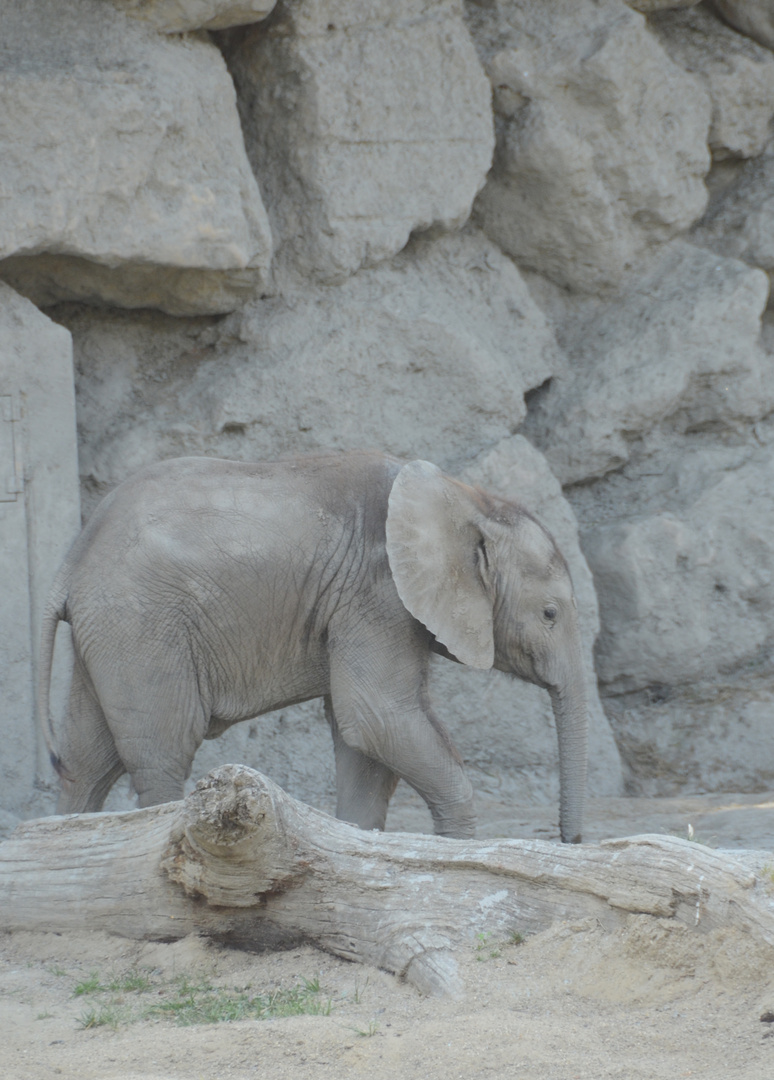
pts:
pixel 529 242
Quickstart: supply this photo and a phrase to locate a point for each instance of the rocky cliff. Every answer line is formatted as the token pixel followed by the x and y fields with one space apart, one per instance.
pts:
pixel 530 242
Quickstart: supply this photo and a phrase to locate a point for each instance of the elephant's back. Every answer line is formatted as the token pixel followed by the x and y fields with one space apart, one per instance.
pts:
pixel 184 516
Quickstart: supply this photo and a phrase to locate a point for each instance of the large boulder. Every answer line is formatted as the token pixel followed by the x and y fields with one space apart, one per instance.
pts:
pixel 682 345
pixel 680 545
pixel 362 127
pixel 686 585
pixel 601 148
pixel 428 356
pixel 737 73
pixel 697 738
pixel 123 165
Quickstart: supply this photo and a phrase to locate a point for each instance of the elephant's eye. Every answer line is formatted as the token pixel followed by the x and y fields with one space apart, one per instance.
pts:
pixel 550 613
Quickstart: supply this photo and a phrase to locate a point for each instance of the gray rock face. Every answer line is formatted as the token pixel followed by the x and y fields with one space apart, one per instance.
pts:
pixel 679 545
pixel 687 586
pixel 629 357
pixel 601 146
pixel 752 17
pixel 737 73
pixel 683 345
pixel 115 143
pixel 429 356
pixel 178 16
pixel 362 127
pixel 709 736
pixel 740 218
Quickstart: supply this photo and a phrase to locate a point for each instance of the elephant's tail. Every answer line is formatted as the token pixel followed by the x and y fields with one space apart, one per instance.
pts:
pixel 56 612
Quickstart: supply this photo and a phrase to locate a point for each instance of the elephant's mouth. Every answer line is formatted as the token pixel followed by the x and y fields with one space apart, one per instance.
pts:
pixel 524 667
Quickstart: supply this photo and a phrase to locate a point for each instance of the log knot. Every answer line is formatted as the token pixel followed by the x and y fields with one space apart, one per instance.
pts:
pixel 234 850
pixel 227 808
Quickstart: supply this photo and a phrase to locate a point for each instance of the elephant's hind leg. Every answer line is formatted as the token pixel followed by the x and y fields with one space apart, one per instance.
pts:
pixel 158 721
pixel 88 755
pixel 364 786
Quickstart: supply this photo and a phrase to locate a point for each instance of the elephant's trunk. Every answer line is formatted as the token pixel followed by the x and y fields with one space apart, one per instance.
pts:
pixel 572 724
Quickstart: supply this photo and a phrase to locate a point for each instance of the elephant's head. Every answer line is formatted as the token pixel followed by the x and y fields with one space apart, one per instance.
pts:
pixel 490 584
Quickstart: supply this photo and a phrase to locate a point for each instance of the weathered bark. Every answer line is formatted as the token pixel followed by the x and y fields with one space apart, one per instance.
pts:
pixel 242 862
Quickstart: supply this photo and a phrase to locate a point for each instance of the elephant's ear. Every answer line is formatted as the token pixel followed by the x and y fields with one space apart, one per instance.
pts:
pixel 433 545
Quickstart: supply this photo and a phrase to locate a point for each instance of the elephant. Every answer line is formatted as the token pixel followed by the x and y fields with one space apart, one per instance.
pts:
pixel 204 591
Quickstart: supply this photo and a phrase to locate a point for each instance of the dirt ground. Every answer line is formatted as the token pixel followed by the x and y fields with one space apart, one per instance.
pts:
pixel 652 1000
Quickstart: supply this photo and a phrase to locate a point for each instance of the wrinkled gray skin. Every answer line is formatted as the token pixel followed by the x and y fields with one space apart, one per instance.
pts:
pixel 205 592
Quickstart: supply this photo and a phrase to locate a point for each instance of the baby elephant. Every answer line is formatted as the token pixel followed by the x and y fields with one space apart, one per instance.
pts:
pixel 204 592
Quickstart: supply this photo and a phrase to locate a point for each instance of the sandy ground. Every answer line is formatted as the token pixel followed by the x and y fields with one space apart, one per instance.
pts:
pixel 651 1000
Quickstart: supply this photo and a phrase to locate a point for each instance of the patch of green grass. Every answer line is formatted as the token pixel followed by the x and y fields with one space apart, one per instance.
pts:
pixel 187 1000
pixel 44 1016
pixel 204 1004
pixel 90 985
pixel 55 969
pixel 515 938
pixel 107 1015
pixel 132 982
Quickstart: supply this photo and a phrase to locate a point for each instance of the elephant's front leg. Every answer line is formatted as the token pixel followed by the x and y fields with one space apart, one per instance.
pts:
pixel 364 786
pixel 381 710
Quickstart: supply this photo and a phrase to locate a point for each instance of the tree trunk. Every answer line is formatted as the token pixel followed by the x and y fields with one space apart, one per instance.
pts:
pixel 241 862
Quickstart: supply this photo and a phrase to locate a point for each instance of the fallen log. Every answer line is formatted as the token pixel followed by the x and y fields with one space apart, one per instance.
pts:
pixel 243 863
